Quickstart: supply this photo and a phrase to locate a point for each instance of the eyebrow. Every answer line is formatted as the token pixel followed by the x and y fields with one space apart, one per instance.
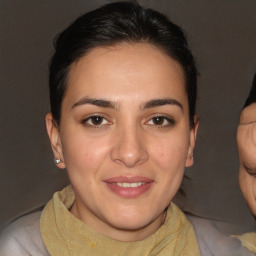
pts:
pixel 161 102
pixel 96 102
pixel 109 104
pixel 251 122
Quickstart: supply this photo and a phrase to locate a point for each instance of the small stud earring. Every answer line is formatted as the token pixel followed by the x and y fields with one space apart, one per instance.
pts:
pixel 57 161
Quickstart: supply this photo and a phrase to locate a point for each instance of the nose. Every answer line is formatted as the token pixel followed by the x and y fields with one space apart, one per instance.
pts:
pixel 129 148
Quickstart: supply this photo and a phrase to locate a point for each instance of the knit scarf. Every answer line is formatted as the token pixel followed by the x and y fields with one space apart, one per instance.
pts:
pixel 65 235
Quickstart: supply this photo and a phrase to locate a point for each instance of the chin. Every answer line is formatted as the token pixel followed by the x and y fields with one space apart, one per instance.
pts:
pixel 131 221
pixel 135 226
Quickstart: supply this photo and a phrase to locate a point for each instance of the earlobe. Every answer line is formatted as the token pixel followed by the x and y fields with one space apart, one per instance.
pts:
pixel 192 142
pixel 54 136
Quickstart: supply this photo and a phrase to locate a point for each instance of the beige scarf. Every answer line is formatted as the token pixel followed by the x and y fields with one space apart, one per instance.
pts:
pixel 65 235
pixel 249 240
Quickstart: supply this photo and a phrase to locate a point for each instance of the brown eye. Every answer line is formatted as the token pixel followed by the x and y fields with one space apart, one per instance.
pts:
pixel 161 121
pixel 95 121
pixel 158 120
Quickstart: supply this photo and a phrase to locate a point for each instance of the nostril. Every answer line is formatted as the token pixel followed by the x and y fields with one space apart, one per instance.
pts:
pixel 129 158
pixel 129 148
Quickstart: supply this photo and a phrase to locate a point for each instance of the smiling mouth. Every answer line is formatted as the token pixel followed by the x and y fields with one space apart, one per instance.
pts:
pixel 129 187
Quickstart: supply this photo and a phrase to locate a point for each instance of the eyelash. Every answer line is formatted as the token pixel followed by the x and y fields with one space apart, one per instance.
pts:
pixel 91 125
pixel 250 172
pixel 165 122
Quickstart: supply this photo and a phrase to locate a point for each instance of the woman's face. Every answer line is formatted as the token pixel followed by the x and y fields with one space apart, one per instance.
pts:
pixel 124 138
pixel 246 141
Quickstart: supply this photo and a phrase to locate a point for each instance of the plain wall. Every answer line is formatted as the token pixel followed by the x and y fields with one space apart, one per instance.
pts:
pixel 222 36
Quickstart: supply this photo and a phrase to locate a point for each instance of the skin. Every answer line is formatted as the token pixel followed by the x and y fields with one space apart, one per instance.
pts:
pixel 137 136
pixel 246 141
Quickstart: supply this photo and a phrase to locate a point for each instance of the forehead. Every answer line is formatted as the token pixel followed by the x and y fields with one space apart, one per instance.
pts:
pixel 246 133
pixel 246 141
pixel 248 114
pixel 127 68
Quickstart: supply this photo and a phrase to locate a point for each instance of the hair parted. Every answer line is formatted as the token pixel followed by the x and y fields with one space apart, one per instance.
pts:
pixel 114 23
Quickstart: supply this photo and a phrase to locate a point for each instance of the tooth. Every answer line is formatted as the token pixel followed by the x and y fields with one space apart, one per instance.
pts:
pixel 134 185
pixel 130 185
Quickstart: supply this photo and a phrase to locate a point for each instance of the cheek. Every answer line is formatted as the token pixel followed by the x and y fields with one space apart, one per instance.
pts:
pixel 169 153
pixel 248 187
pixel 254 196
pixel 244 182
pixel 82 153
pixel 169 158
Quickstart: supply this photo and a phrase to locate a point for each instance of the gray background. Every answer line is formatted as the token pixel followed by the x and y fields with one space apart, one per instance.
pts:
pixel 222 36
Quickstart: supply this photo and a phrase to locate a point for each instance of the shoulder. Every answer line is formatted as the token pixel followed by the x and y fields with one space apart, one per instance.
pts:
pixel 180 218
pixel 22 237
pixel 186 242
pixel 212 242
pixel 181 223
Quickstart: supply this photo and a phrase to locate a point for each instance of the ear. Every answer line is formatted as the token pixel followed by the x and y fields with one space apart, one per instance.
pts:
pixel 54 136
pixel 192 142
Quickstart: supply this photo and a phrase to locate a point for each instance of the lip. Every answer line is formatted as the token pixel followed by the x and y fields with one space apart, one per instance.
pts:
pixel 129 192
